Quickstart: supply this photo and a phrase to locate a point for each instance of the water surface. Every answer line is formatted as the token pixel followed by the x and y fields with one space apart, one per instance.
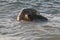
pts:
pixel 10 29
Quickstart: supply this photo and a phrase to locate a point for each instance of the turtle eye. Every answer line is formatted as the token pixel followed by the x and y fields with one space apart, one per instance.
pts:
pixel 26 16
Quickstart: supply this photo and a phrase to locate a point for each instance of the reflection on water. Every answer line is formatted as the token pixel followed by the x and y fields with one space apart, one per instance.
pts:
pixel 10 29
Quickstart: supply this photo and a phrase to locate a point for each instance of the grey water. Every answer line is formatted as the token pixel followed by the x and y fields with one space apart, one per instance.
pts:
pixel 10 29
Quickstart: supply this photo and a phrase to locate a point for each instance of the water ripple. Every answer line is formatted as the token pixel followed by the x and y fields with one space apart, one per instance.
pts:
pixel 10 29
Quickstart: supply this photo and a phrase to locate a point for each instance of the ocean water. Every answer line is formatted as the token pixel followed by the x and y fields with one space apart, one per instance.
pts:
pixel 10 29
